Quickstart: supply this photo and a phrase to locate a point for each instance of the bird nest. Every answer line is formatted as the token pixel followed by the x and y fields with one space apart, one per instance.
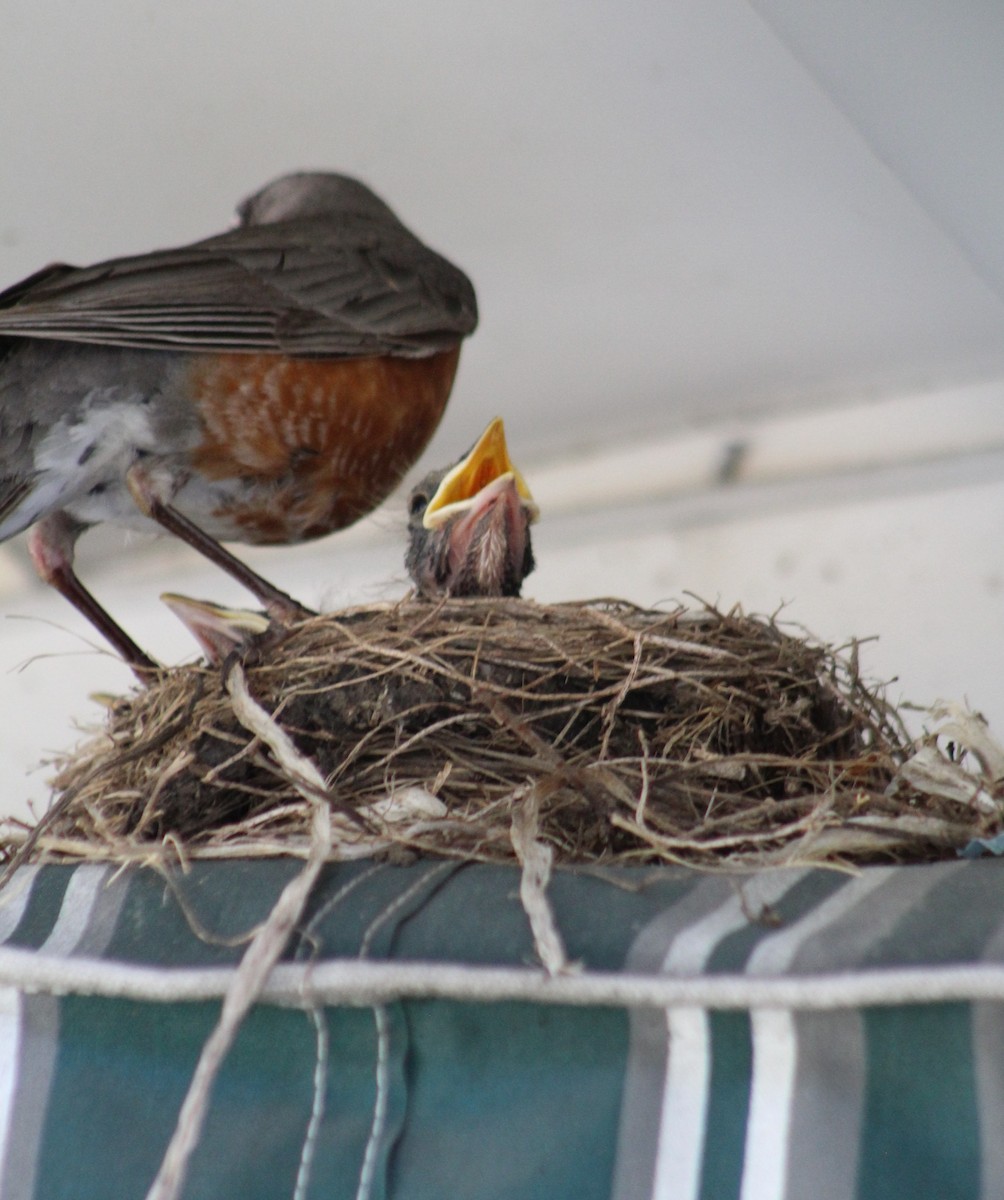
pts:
pixel 606 732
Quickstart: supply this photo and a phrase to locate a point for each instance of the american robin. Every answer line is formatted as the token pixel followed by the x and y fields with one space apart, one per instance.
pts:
pixel 268 385
pixel 469 525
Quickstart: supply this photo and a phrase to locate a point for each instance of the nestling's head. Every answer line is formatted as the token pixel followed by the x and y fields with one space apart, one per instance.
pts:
pixel 469 524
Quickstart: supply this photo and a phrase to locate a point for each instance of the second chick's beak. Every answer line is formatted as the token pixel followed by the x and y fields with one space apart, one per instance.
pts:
pixel 469 525
pixel 219 631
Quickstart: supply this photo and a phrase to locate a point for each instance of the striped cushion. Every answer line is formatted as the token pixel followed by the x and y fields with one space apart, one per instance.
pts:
pixel 795 1033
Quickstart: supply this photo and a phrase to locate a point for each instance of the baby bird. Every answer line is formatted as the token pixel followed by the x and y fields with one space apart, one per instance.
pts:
pixel 219 631
pixel 469 524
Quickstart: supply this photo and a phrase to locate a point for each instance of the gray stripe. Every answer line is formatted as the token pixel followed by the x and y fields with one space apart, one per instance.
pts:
pixel 988 1044
pixel 827 1103
pixel 641 1106
pixel 988 1066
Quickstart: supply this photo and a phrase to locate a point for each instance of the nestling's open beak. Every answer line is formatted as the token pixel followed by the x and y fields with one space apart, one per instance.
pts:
pixel 488 466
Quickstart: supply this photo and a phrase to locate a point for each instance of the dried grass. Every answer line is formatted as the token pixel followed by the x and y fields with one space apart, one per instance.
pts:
pixel 639 736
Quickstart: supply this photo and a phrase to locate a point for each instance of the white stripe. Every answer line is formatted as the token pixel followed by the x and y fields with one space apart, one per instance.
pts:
pixel 765 1159
pixel 684 1104
pixel 680 1150
pixel 775 1048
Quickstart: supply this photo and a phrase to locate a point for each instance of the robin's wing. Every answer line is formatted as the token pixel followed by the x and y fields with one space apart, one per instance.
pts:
pixel 314 287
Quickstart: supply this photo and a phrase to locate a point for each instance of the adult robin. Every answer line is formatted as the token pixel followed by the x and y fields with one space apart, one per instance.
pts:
pixel 469 525
pixel 268 385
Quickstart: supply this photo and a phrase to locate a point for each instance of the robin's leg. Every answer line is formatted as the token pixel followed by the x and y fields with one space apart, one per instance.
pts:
pixel 153 500
pixel 51 544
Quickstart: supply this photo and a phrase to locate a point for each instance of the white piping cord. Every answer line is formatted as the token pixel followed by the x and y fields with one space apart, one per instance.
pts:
pixel 364 983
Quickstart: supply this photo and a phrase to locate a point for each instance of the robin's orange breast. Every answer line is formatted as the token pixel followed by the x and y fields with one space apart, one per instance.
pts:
pixel 315 443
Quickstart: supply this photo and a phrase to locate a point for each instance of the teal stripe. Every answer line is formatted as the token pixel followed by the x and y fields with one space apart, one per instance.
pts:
pixel 526 1097
pixel 445 915
pixel 728 1106
pixel 510 1101
pixel 196 917
pixel 920 1134
pixel 43 907
pixel 122 1072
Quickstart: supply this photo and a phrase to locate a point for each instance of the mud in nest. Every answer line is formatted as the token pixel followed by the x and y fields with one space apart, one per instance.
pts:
pixel 637 736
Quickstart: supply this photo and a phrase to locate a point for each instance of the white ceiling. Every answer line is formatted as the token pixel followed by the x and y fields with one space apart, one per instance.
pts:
pixel 673 210
pixel 922 84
